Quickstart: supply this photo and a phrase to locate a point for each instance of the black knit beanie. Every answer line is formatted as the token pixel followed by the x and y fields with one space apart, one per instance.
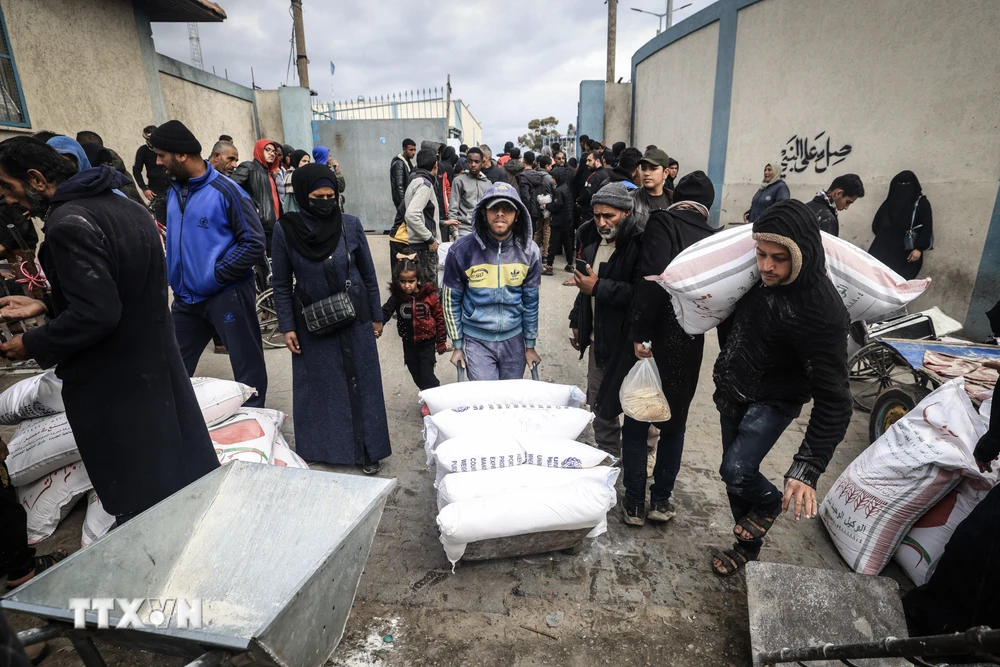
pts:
pixel 174 137
pixel 426 159
pixel 696 187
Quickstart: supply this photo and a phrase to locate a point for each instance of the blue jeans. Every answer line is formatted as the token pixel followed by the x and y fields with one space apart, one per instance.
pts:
pixel 746 440
pixel 634 457
pixel 494 360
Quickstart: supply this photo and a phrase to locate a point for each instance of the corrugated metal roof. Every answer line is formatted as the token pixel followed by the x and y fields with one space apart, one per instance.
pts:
pixel 183 11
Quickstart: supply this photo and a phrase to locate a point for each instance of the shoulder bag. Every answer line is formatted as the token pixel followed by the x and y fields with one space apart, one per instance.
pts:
pixel 336 311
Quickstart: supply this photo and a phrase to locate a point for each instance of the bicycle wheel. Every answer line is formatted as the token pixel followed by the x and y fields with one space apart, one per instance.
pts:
pixel 873 369
pixel 268 318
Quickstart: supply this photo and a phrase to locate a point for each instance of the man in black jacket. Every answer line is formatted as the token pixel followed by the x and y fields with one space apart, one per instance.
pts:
pixel 155 191
pixel 128 398
pixel 399 171
pixel 844 191
pixel 677 354
pixel 598 178
pixel 786 343
pixel 611 249
pixel 490 168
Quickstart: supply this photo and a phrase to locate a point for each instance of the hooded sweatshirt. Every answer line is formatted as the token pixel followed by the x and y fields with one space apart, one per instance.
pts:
pixel 787 344
pixel 490 286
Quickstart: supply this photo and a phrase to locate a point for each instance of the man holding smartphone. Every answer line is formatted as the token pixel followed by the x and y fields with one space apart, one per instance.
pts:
pixel 611 244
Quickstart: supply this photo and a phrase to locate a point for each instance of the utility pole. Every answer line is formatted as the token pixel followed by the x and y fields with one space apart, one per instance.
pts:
pixel 612 35
pixel 301 61
pixel 447 109
pixel 670 13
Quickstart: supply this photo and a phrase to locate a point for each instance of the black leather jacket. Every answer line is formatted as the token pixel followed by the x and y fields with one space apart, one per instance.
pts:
pixel 399 173
pixel 253 177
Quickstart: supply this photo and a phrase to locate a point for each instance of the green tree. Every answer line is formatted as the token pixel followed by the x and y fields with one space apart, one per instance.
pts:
pixel 538 130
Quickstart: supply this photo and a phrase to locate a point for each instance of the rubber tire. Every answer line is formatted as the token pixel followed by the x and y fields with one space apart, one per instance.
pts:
pixel 899 399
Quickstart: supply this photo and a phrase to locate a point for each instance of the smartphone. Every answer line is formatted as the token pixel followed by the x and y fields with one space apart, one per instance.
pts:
pixel 581 266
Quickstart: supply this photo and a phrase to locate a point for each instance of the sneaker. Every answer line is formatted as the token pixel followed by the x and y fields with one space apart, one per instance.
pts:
pixel 371 468
pixel 662 513
pixel 547 271
pixel 634 515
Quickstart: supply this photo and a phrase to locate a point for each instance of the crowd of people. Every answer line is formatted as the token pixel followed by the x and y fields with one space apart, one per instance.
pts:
pixel 230 226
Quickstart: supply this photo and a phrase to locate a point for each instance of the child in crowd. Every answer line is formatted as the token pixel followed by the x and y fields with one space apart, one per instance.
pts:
pixel 419 320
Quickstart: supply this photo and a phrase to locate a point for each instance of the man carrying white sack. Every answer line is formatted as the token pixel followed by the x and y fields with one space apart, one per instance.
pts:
pixel 128 399
pixel 785 343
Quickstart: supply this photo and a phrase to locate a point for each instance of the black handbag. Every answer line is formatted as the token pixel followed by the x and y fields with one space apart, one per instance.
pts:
pixel 910 238
pixel 336 311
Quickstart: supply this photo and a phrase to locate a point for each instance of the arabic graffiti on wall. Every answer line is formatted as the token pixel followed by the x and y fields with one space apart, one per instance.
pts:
pixel 801 152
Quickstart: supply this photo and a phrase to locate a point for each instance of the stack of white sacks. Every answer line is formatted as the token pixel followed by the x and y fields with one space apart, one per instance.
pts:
pixel 508 463
pixel 45 466
pixel 905 495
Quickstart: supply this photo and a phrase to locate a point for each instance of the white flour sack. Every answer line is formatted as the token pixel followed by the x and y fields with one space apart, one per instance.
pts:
pixel 583 503
pixel 97 522
pixel 468 485
pixel 475 453
pixel 501 393
pixel 707 279
pixel 479 420
pixel 562 453
pixel 48 500
pixel 38 396
pixel 248 435
pixel 924 545
pixel 40 446
pixel 903 474
pixel 220 399
pixel 282 455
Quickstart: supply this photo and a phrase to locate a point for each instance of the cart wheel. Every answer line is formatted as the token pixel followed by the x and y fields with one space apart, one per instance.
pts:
pixel 891 406
pixel 267 315
pixel 873 369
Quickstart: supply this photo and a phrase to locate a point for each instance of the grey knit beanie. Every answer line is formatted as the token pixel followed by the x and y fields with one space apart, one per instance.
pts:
pixel 615 195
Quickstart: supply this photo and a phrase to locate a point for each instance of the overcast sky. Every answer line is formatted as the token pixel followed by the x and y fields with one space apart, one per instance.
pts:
pixel 510 61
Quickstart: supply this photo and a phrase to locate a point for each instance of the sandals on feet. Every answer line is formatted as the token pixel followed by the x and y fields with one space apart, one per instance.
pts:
pixel 42 563
pixel 731 560
pixel 757 523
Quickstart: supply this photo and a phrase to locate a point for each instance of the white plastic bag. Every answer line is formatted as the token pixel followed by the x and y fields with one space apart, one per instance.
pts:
pixel 38 396
pixel 220 399
pixel 707 279
pixel 641 393
pixel 97 523
pixel 248 435
pixel 919 460
pixel 40 446
pixel 48 500
pixel 541 420
pixel 583 503
pixel 468 485
pixel 508 393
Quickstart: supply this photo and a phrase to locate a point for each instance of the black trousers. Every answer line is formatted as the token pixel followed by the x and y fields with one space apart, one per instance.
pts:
pixel 561 241
pixel 419 360
pixel 233 314
pixel 14 549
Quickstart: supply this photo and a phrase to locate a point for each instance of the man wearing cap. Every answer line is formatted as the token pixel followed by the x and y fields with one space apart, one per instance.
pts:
pixel 491 284
pixel 652 194
pixel 214 239
pixel 611 246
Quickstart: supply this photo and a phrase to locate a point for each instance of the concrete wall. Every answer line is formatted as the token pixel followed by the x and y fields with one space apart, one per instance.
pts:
pixel 296 116
pixel 209 113
pixel 364 159
pixel 55 41
pixel 617 112
pixel 472 131
pixel 590 110
pixel 910 85
pixel 269 115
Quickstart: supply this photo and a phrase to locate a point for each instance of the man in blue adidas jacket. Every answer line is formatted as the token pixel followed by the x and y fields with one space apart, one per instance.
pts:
pixel 214 238
pixel 491 280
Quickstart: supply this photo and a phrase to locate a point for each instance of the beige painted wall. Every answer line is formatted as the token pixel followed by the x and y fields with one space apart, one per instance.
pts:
pixel 209 113
pixel 269 115
pixel 617 112
pixel 910 85
pixel 674 93
pixel 80 68
pixel 472 131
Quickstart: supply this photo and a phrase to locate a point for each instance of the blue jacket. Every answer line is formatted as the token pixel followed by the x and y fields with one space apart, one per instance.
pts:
pixel 491 288
pixel 214 237
pixel 766 198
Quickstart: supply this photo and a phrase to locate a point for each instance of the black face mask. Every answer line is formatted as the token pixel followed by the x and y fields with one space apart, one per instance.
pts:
pixel 322 208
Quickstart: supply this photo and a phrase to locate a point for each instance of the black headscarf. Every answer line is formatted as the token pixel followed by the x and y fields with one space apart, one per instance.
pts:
pixel 904 188
pixel 318 243
pixel 297 157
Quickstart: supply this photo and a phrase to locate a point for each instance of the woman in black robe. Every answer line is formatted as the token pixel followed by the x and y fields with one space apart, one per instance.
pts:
pixel 904 208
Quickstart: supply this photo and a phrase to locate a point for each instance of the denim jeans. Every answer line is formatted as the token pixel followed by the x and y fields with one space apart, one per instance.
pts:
pixel 634 457
pixel 746 440
pixel 494 360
